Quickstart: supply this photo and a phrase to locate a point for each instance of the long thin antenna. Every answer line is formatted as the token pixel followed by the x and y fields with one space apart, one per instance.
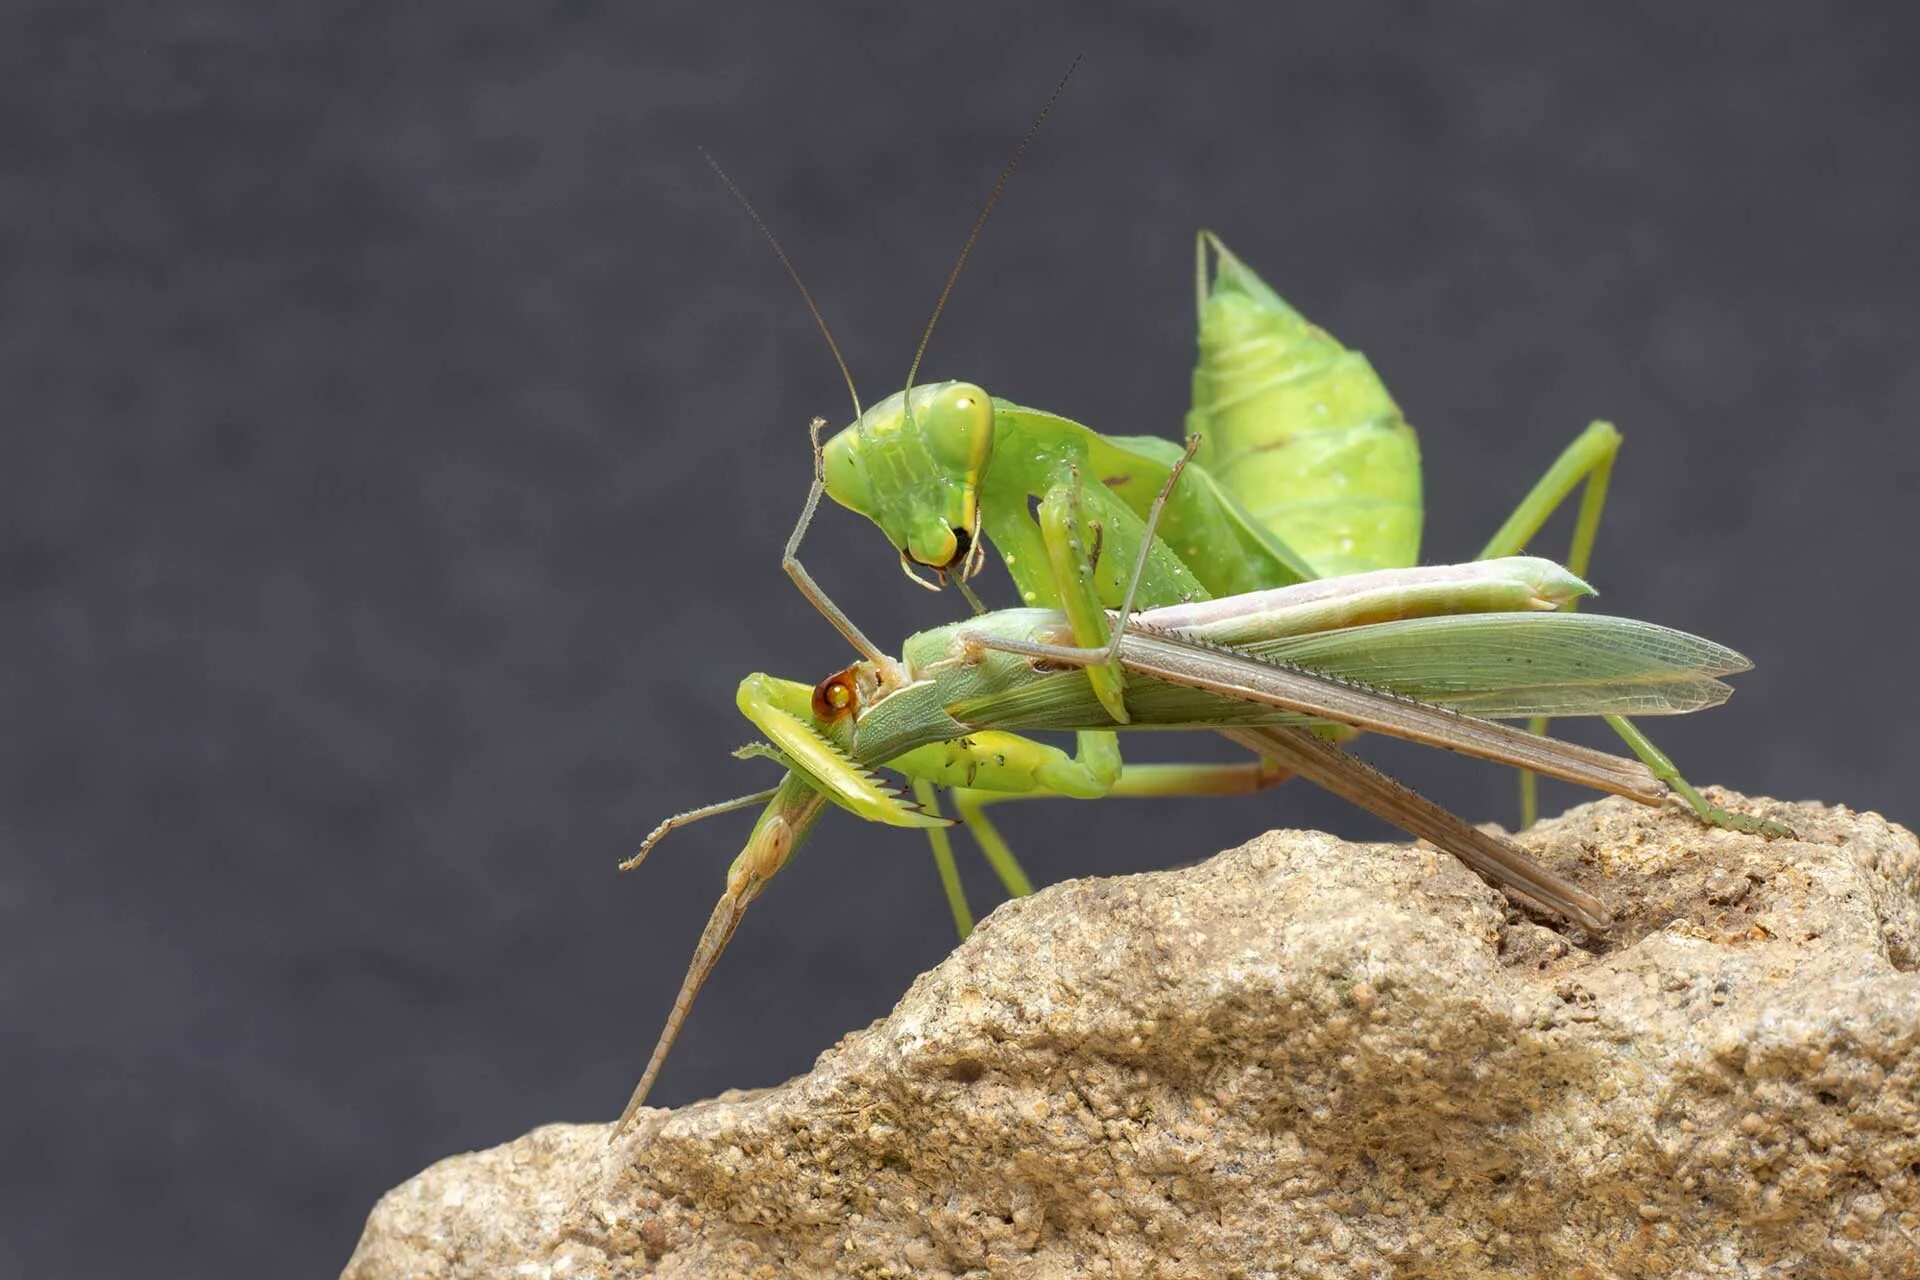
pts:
pixel 790 559
pixel 794 275
pixel 981 221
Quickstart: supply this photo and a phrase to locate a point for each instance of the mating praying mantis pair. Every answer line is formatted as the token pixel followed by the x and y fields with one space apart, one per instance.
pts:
pixel 1409 653
pixel 1281 610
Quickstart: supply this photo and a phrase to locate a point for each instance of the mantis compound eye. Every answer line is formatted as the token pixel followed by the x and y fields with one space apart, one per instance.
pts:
pixel 836 696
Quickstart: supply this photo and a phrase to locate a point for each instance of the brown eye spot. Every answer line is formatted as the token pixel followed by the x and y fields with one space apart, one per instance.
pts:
pixel 835 696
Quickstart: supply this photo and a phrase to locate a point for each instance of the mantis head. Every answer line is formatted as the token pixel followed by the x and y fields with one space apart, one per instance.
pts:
pixel 913 464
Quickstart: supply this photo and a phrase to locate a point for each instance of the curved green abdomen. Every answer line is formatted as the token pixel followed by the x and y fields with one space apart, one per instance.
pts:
pixel 1301 430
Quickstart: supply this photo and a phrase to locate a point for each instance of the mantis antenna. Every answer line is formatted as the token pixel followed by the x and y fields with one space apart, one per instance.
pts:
pixel 792 273
pixel 790 558
pixel 998 188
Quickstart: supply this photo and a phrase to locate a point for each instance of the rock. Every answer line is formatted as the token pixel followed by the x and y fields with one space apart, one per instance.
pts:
pixel 1304 1058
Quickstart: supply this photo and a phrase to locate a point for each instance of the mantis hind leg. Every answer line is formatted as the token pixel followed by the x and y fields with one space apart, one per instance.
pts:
pixel 1588 464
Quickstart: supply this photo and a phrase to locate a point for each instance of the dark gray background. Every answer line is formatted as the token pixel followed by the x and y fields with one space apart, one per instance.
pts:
pixel 402 423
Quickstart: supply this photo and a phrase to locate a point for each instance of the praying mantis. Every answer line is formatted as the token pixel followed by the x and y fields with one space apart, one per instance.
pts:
pixel 1423 654
pixel 1307 469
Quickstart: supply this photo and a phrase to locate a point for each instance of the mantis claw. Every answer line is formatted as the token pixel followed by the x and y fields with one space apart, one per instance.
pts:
pixel 1732 820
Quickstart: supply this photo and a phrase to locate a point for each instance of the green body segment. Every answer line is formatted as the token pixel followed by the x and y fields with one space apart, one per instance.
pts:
pixel 1300 430
pixel 1222 548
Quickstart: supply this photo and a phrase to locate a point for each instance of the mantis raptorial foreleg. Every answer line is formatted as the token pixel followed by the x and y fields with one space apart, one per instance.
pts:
pixel 1587 463
pixel 1073 547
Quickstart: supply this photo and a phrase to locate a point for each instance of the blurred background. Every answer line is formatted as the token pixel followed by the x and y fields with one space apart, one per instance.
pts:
pixel 402 424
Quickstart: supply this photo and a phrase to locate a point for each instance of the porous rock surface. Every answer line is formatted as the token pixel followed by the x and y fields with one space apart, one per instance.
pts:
pixel 1303 1058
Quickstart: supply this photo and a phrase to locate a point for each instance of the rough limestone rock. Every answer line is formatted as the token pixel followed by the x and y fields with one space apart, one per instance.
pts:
pixel 1304 1058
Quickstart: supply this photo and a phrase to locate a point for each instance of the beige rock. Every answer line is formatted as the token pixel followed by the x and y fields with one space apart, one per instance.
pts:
pixel 1304 1058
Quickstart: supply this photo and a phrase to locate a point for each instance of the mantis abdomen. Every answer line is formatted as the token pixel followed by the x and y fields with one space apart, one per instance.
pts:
pixel 1300 430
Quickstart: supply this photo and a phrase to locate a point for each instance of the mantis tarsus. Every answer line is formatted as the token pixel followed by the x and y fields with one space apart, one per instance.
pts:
pixel 1374 646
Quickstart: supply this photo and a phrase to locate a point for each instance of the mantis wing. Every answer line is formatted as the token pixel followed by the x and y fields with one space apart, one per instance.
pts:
pixel 1523 664
pixel 1372 678
pixel 1235 675
pixel 1492 664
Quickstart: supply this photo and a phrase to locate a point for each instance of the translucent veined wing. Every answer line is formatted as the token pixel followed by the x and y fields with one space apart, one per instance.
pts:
pixel 1494 665
pixel 1237 678
pixel 1503 665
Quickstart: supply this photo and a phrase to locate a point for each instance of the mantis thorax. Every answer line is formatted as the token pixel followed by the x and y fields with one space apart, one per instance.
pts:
pixel 917 474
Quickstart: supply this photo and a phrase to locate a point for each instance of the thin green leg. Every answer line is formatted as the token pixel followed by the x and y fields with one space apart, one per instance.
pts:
pixel 1590 458
pixel 999 855
pixel 1711 814
pixel 1064 526
pixel 943 861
